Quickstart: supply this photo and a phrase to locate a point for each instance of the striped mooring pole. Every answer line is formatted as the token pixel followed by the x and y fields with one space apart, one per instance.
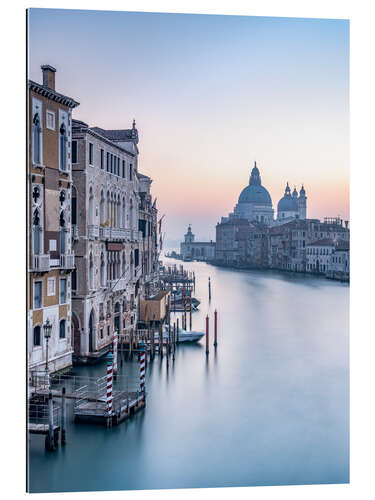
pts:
pixel 109 399
pixel 115 345
pixel 142 368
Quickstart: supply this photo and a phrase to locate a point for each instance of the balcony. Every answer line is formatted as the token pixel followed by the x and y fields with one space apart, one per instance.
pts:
pixel 136 235
pixel 93 232
pixel 117 285
pixel 120 234
pixel 67 261
pixel 105 233
pixel 41 263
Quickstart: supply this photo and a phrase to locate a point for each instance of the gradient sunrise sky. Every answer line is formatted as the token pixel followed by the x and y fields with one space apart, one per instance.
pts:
pixel 210 94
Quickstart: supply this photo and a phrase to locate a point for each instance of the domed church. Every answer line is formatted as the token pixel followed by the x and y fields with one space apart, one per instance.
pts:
pixel 254 202
pixel 292 206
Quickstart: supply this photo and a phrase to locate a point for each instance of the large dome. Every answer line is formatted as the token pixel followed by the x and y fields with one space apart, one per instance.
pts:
pixel 255 194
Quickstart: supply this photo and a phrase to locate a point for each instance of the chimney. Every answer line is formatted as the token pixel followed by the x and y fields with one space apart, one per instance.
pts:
pixel 48 76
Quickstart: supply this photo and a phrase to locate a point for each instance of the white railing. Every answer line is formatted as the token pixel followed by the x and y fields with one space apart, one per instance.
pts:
pixel 93 231
pixel 67 261
pixel 41 262
pixel 117 285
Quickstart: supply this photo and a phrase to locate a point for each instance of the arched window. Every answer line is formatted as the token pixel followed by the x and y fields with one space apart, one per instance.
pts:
pixel 91 207
pixel 36 335
pixel 123 213
pixel 62 233
pixel 62 328
pixel 108 208
pixel 74 205
pixel 36 232
pixel 117 307
pixel 102 208
pixel 91 272
pixel 131 213
pixel 36 139
pixel 102 270
pixel 123 264
pixel 63 141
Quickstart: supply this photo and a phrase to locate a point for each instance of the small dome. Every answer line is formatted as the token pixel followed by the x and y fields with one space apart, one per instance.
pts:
pixel 302 192
pixel 295 193
pixel 287 204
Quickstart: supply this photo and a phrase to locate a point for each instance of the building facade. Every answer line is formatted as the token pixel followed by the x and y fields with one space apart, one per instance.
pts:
pixel 108 244
pixel 196 250
pixel 50 256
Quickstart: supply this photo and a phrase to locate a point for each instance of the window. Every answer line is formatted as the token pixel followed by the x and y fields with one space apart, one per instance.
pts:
pixel 74 152
pixel 37 335
pixel 62 234
pixel 51 287
pixel 63 291
pixel 130 172
pixel 36 139
pixel 108 330
pixel 63 141
pixel 62 328
pixel 37 232
pixel 50 120
pixel 123 169
pixel 91 154
pixel 74 279
pixel 101 333
pixel 107 162
pixel 91 273
pixel 102 159
pixel 111 164
pixel 37 294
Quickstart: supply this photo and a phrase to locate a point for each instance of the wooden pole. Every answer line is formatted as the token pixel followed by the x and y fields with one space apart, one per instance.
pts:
pixel 215 328
pixel 174 339
pixel 209 288
pixel 161 340
pixel 152 341
pixel 207 335
pixel 190 310
pixel 63 416
pixel 178 331
pixel 51 445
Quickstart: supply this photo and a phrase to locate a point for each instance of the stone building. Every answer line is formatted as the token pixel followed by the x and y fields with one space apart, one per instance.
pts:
pixel 196 250
pixel 241 243
pixel 108 244
pixel 288 242
pixel 50 258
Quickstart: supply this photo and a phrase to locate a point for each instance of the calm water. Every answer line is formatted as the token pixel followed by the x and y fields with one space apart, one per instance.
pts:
pixel 269 407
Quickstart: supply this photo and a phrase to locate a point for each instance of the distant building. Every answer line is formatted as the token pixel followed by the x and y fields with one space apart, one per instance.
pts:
pixel 196 250
pixel 329 257
pixel 241 243
pixel 50 257
pixel 291 206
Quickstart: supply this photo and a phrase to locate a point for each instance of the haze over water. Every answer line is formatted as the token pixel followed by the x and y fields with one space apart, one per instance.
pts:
pixel 270 407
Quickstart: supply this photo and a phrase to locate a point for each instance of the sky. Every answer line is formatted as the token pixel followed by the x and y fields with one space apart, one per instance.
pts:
pixel 210 95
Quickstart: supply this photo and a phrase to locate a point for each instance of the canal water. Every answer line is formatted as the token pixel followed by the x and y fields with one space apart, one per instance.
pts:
pixel 269 406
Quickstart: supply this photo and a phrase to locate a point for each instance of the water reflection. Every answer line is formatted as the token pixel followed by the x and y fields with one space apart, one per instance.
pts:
pixel 268 406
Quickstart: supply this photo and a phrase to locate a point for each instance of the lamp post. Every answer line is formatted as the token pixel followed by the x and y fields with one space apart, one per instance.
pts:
pixel 47 327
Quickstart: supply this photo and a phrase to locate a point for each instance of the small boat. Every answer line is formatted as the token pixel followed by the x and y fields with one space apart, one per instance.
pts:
pixel 183 335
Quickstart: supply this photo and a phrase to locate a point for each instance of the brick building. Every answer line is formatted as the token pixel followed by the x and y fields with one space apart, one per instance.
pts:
pixel 50 257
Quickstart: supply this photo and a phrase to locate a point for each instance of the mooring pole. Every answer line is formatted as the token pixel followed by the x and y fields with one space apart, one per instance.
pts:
pixel 63 416
pixel 209 289
pixel 142 371
pixel 115 345
pixel 109 395
pixel 174 339
pixel 161 340
pixel 50 422
pixel 178 330
pixel 215 328
pixel 207 335
pixel 185 309
pixel 190 311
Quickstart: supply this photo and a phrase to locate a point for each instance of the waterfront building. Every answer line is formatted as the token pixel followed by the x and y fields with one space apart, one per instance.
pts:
pixel 198 250
pixel 330 257
pixel 111 251
pixel 50 258
pixel 241 243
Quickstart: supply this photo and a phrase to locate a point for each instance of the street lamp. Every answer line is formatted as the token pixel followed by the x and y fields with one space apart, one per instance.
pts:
pixel 47 327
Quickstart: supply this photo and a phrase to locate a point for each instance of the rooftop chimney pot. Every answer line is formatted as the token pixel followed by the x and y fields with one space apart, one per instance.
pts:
pixel 48 76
